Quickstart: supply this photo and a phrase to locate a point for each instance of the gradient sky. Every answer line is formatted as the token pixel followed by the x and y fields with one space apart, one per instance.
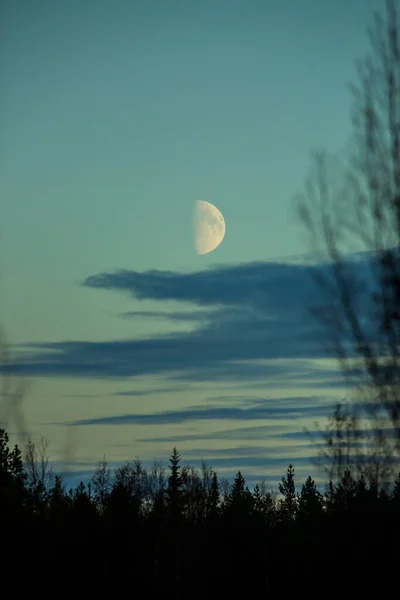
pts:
pixel 115 117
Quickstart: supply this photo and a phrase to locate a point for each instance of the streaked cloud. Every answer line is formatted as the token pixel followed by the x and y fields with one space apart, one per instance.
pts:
pixel 181 316
pixel 255 410
pixel 253 312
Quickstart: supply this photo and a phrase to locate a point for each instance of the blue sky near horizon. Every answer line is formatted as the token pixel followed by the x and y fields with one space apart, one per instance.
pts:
pixel 116 117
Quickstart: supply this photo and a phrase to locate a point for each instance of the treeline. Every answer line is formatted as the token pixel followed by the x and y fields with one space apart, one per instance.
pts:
pixel 176 533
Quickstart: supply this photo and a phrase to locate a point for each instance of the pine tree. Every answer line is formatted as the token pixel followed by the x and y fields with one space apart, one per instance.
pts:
pixel 329 498
pixel 174 489
pixel 14 515
pixel 213 498
pixel 174 495
pixel 57 495
pixel 257 498
pixel 83 506
pixel 238 486
pixel 263 505
pixel 240 499
pixel 346 490
pixel 12 477
pixel 310 501
pixel 11 465
pixel 288 491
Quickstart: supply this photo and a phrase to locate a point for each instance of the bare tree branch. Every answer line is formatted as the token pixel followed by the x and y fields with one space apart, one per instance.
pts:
pixel 360 307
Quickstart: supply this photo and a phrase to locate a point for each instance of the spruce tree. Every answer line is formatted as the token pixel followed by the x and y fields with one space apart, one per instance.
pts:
pixel 12 477
pixel 310 501
pixel 214 497
pixel 174 489
pixel 288 491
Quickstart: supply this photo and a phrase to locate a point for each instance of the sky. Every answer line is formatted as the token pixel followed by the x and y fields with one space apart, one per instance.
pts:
pixel 116 116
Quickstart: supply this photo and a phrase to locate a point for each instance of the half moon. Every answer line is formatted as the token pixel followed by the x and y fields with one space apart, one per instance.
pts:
pixel 209 227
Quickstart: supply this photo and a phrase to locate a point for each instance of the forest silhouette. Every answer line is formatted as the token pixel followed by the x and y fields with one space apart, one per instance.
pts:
pixel 179 533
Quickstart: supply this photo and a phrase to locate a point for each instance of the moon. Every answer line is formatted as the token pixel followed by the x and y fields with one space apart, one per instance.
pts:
pixel 209 227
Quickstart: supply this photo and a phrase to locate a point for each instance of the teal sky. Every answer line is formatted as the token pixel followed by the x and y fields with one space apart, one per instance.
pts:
pixel 116 116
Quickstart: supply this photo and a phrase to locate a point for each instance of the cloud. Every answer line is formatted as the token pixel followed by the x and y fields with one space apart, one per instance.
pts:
pixel 181 316
pixel 259 409
pixel 260 432
pixel 228 285
pixel 152 391
pixel 149 391
pixel 254 324
pixel 273 287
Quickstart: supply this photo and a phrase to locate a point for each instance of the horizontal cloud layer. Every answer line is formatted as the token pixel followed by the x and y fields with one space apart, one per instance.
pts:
pixel 255 324
pixel 247 409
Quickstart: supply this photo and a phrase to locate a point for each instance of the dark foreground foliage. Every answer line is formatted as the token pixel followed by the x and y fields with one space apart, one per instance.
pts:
pixel 174 534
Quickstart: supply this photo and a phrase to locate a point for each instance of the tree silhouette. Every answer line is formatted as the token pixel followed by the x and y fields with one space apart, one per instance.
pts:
pixel 288 503
pixel 174 496
pixel 101 482
pixel 310 501
pixel 12 474
pixel 214 497
pixel 174 489
pixel 352 530
pixel 359 312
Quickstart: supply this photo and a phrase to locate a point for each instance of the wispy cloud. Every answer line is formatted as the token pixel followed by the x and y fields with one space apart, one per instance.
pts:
pixel 181 316
pixel 255 410
pixel 255 317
